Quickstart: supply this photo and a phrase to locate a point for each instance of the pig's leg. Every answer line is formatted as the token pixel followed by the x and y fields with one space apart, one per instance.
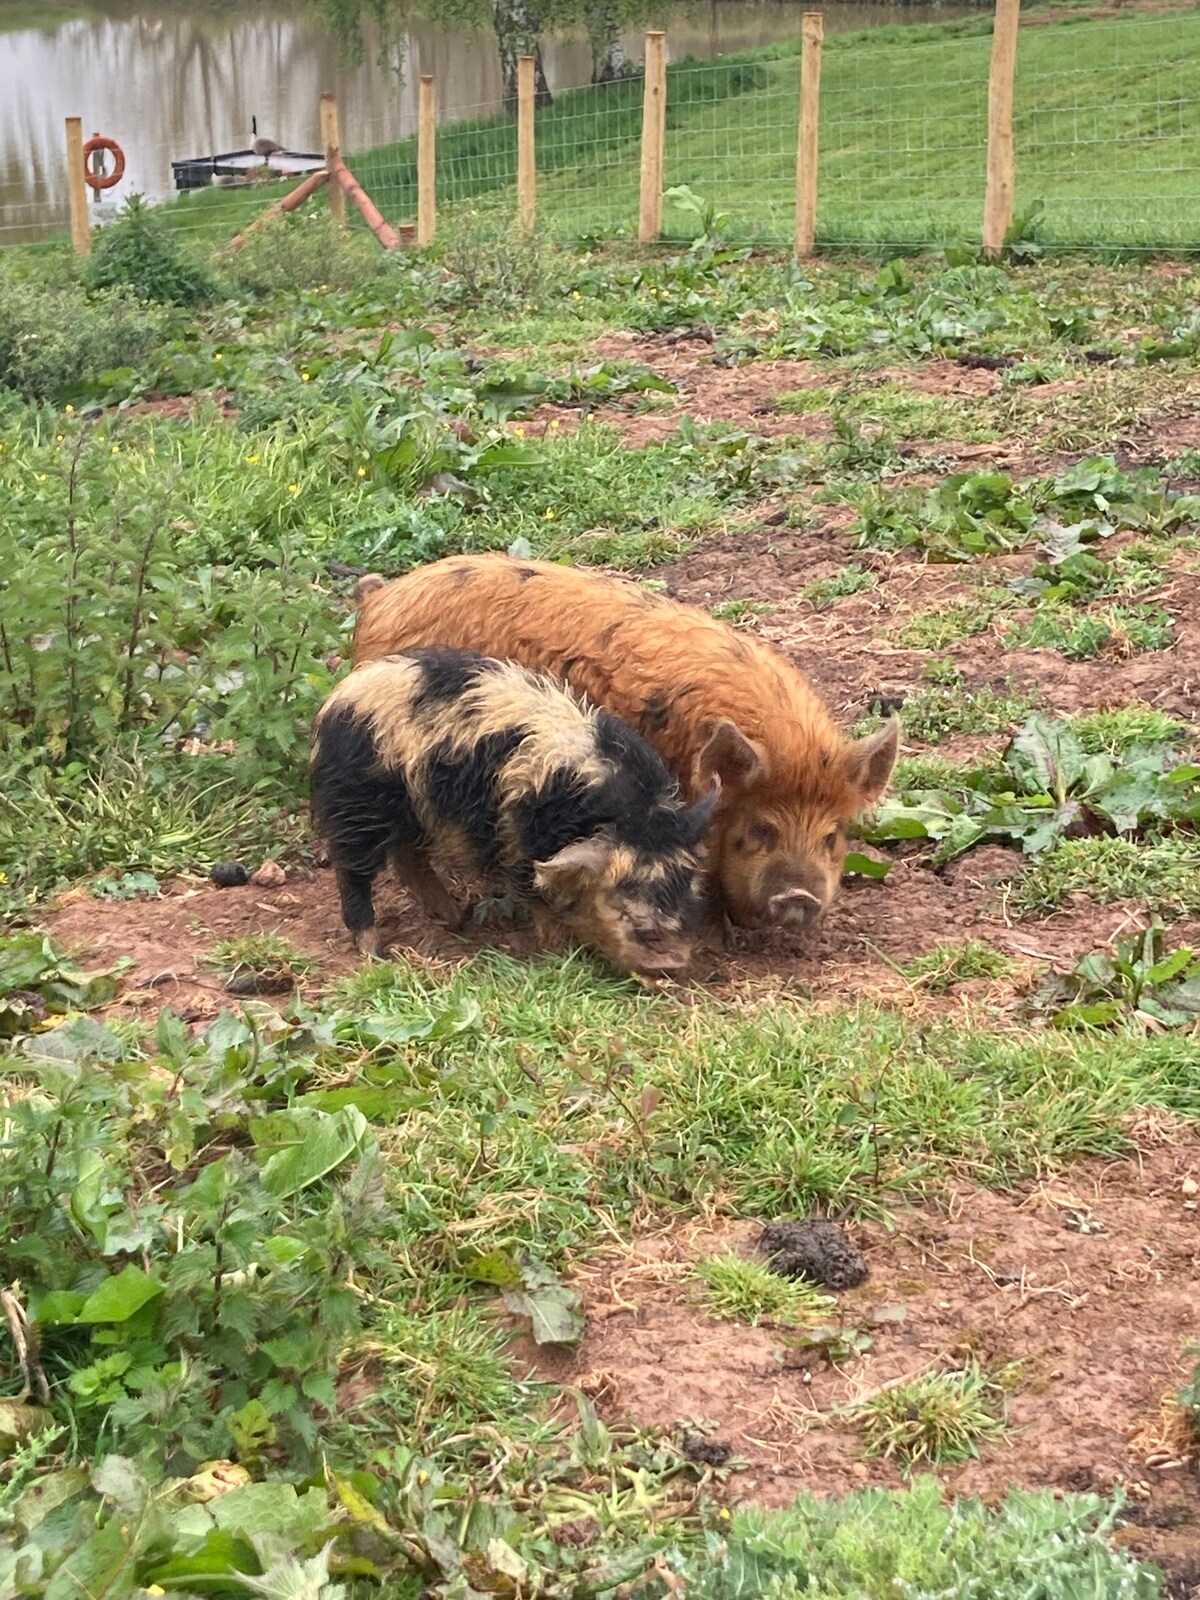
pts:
pixel 411 865
pixel 358 908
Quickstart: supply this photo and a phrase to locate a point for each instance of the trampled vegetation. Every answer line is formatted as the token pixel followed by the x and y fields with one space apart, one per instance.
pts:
pixel 323 1278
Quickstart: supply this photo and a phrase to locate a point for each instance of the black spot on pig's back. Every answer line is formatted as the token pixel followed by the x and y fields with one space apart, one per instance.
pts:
pixel 360 806
pixel 460 788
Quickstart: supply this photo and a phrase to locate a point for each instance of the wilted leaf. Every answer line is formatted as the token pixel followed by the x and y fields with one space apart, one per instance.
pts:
pixel 118 1479
pixel 553 1309
pixel 19 1422
pixel 81 1039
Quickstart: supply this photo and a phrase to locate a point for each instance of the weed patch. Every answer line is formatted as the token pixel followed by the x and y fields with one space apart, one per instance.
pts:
pixel 937 1417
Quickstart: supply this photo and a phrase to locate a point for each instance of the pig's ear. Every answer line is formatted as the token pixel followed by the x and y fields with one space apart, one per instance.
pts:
pixel 869 762
pixel 730 758
pixel 573 866
pixel 697 818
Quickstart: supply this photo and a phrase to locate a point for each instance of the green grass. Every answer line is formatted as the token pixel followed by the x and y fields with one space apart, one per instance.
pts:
pixel 825 592
pixel 903 134
pixel 948 964
pixel 264 954
pixel 936 1418
pixel 1164 874
pixel 739 1289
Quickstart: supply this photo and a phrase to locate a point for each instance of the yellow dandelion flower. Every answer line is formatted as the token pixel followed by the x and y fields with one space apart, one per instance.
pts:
pixel 293 488
pixel 116 449
pixel 40 476
pixel 554 423
pixel 253 460
pixel 548 514
pixel 306 377
pixel 362 472
pixel 3 877
pixel 218 356
pixel 322 287
pixel 574 294
pixel 70 410
pixel 519 432
pixel 59 437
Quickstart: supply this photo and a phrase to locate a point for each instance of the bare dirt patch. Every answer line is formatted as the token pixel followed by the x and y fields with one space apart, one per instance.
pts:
pixel 745 396
pixel 848 648
pixel 873 929
pixel 1084 1287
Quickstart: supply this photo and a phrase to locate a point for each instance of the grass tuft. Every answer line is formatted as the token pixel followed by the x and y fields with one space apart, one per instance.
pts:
pixel 934 1419
pixel 739 1289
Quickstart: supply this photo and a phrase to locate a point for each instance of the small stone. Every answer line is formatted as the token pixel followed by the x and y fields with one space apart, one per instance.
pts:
pixel 229 875
pixel 269 876
pixel 1189 1187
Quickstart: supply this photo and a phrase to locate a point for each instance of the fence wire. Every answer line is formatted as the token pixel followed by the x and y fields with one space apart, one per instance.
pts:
pixel 1106 132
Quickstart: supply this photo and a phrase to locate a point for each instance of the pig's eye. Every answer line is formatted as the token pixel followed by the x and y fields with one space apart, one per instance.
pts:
pixel 758 836
pixel 833 840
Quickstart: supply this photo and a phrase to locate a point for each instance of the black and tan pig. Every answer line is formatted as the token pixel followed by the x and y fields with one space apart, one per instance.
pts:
pixel 444 757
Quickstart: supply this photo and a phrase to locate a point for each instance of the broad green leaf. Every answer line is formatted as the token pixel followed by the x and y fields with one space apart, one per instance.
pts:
pixel 61 1306
pixel 863 866
pixel 1098 1014
pixel 273 1507
pixel 80 1039
pixel 1049 750
pixel 320 1142
pixel 496 1267
pixel 208 1568
pixel 120 1296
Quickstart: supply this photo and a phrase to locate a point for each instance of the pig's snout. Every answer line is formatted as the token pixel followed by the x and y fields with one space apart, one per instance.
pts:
pixel 794 909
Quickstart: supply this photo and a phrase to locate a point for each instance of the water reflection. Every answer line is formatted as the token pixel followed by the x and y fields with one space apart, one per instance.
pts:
pixel 168 83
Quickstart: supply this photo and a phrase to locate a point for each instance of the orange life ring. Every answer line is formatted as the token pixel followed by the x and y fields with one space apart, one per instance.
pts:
pixel 103 180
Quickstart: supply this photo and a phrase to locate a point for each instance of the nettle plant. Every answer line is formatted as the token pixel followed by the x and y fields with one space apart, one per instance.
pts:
pixel 108 631
pixel 182 1248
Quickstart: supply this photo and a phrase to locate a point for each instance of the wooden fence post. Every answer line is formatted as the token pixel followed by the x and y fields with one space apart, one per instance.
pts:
pixel 1001 165
pixel 526 156
pixel 426 164
pixel 654 130
pixel 808 147
pixel 81 236
pixel 331 138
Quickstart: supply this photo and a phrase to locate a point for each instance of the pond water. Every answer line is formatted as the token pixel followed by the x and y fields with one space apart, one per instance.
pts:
pixel 171 81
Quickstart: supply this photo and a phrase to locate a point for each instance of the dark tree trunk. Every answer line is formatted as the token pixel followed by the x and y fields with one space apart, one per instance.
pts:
pixel 517 26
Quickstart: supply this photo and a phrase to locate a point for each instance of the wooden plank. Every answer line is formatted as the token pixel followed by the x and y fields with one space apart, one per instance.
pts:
pixel 344 179
pixel 331 139
pixel 296 197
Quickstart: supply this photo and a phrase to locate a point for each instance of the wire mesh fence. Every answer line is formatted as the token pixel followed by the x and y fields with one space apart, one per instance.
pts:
pixel 1106 129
